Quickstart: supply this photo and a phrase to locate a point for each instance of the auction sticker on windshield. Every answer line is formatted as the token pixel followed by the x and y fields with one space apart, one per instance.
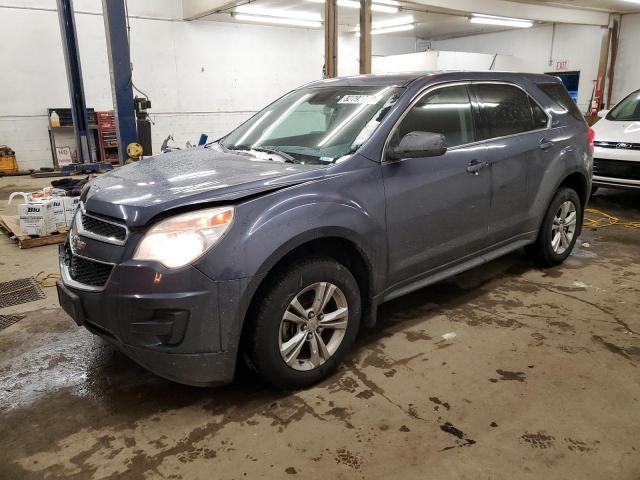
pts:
pixel 360 99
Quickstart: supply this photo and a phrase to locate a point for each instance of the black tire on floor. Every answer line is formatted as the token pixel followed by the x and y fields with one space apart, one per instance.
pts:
pixel 262 347
pixel 542 250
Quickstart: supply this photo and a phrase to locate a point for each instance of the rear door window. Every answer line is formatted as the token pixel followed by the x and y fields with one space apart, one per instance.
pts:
pixel 446 110
pixel 504 110
pixel 559 95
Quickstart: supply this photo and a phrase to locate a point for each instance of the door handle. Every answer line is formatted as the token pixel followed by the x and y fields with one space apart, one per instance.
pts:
pixel 474 166
pixel 545 144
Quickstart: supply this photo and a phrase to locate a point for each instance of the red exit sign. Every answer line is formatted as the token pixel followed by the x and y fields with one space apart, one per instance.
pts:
pixel 562 65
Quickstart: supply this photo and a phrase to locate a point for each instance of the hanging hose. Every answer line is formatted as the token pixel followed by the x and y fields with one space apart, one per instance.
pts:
pixel 47 279
pixel 606 220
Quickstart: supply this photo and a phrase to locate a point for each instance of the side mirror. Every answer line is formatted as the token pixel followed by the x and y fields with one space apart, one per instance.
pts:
pixel 419 144
pixel 603 113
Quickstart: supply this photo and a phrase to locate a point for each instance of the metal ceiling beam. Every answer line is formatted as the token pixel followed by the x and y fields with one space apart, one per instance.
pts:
pixel 528 11
pixel 365 36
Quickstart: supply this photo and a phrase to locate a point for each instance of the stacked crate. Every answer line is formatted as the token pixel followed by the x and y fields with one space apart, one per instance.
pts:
pixel 8 163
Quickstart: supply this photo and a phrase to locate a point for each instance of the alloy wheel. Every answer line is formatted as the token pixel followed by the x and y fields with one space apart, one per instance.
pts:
pixel 313 326
pixel 564 227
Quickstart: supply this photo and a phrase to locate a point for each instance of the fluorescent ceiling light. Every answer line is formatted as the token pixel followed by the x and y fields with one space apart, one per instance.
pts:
pixel 392 22
pixel 399 28
pixel 392 25
pixel 381 6
pixel 502 21
pixel 294 18
pixel 294 22
pixel 375 7
pixel 279 13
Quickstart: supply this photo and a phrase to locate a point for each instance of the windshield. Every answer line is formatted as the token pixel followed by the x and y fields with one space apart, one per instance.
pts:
pixel 627 109
pixel 314 125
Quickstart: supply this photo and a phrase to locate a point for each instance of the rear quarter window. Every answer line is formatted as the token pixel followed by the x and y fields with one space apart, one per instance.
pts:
pixel 560 96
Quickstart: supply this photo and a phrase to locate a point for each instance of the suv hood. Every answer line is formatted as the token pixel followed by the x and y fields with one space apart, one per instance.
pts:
pixel 137 192
pixel 617 131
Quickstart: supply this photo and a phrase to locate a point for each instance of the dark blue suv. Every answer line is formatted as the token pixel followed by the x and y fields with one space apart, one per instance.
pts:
pixel 281 239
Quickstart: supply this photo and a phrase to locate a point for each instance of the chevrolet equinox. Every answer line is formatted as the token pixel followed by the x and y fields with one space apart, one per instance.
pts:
pixel 278 241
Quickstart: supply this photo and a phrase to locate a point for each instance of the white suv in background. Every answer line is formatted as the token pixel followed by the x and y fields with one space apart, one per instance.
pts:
pixel 616 158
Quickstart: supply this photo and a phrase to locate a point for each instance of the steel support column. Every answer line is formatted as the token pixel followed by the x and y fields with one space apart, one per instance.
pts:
pixel 598 94
pixel 84 139
pixel 613 55
pixel 115 27
pixel 330 39
pixel 365 36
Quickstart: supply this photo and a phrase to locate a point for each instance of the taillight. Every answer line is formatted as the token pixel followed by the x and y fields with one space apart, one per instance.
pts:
pixel 591 136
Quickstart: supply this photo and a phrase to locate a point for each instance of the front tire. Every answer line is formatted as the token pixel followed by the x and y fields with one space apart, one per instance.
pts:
pixel 305 323
pixel 559 230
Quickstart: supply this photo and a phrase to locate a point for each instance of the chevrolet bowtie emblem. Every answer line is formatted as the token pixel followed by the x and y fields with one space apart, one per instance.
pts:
pixel 78 246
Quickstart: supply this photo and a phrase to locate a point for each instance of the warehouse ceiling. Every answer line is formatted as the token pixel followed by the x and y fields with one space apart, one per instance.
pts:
pixel 427 24
pixel 431 20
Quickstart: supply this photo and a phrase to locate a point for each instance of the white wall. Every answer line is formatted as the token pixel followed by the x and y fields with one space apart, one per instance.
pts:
pixel 442 60
pixel 201 76
pixel 627 70
pixel 408 62
pixel 530 50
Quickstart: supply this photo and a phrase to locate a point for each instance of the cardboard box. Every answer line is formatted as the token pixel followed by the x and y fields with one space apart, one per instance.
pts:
pixel 36 218
pixel 70 207
pixel 59 218
pixel 64 208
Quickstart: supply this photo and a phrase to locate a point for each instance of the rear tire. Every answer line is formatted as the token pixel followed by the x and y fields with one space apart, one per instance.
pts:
pixel 559 230
pixel 304 324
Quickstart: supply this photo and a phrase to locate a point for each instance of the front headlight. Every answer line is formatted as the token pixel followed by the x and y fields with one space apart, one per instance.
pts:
pixel 179 240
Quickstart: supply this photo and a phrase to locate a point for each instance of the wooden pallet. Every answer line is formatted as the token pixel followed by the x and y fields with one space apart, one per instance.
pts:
pixel 11 224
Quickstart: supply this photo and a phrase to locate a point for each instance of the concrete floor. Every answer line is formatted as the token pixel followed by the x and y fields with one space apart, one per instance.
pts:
pixel 541 380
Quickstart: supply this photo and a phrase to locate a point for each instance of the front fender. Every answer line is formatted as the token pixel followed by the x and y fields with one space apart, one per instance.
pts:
pixel 348 205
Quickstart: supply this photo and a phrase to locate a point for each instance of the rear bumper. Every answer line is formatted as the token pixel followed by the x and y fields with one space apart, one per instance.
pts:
pixel 180 324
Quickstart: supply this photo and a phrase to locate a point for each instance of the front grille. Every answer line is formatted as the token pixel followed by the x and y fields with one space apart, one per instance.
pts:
pixel 86 271
pixel 616 169
pixel 618 145
pixel 102 228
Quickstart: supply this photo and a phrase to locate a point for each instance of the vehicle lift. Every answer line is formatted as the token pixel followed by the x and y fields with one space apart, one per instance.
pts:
pixel 115 24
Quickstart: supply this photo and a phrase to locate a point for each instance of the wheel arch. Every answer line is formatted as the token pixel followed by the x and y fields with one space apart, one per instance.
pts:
pixel 579 183
pixel 332 245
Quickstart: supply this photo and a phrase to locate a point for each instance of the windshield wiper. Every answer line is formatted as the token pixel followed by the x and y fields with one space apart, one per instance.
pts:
pixel 288 158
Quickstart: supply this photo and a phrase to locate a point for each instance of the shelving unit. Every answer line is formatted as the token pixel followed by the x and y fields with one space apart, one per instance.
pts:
pixel 108 137
pixel 66 126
